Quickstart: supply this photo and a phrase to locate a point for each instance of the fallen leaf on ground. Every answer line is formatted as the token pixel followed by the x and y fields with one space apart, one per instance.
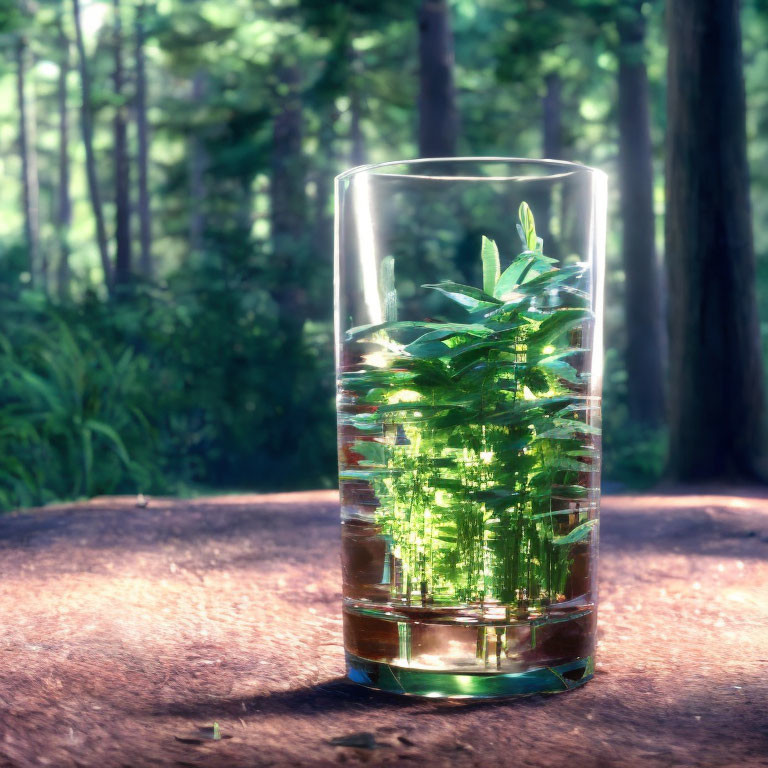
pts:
pixel 203 733
pixel 362 740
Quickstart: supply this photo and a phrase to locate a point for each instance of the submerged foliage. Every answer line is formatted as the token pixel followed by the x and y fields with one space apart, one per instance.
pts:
pixel 478 437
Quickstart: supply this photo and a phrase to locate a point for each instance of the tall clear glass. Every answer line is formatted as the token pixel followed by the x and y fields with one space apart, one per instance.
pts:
pixel 468 307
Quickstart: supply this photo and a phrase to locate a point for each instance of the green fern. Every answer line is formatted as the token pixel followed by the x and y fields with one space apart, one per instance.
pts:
pixel 72 419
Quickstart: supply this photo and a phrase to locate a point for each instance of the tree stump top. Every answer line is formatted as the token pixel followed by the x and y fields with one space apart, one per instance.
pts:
pixel 129 631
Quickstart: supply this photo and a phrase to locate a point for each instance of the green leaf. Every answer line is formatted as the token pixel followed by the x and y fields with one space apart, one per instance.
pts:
pixel 511 277
pixel 468 297
pixel 362 381
pixel 536 380
pixel 107 431
pixel 528 227
pixel 551 514
pixel 364 331
pixel 489 254
pixel 565 429
pixel 572 465
pixel 514 306
pixel 550 279
pixel 410 407
pixel 364 422
pixel 561 369
pixel 363 474
pixel 427 350
pixel 444 330
pixel 503 345
pixel 374 453
pixel 579 533
pixel 557 324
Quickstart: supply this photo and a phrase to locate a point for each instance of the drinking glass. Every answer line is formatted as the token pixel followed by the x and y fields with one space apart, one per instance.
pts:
pixel 468 313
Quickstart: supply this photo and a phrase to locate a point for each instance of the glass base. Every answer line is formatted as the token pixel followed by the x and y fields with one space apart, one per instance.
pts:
pixel 452 685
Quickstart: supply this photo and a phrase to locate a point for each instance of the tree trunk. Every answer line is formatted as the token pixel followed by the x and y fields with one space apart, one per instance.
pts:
pixel 552 149
pixel 123 266
pixel 322 240
pixel 355 106
pixel 29 177
pixel 289 228
pixel 358 148
pixel 145 222
pixel 288 201
pixel 438 118
pixel 198 162
pixel 64 202
pixel 642 306
pixel 86 122
pixel 552 109
pixel 716 392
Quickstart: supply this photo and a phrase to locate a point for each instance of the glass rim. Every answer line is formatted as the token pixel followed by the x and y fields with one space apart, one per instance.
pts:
pixel 556 168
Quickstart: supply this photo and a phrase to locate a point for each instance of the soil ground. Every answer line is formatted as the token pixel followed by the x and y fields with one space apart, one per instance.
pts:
pixel 128 631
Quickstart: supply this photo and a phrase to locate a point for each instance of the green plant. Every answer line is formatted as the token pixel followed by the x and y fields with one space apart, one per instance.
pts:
pixel 478 437
pixel 72 418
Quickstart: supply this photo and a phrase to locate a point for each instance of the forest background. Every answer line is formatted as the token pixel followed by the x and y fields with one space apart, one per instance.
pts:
pixel 166 220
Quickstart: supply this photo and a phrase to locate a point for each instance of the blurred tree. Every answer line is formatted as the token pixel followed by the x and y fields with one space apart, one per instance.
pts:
pixel 356 74
pixel 198 163
pixel 438 115
pixel 64 200
pixel 357 156
pixel 288 203
pixel 86 124
pixel 122 173
pixel 642 306
pixel 568 37
pixel 551 45
pixel 29 173
pixel 716 393
pixel 552 122
pixel 545 41
pixel 288 220
pixel 142 129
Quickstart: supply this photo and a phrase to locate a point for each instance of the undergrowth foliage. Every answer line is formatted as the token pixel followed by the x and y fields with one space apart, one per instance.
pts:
pixel 478 438
pixel 70 412
pixel 170 391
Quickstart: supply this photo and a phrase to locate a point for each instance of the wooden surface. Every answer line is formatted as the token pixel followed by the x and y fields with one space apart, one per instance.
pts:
pixel 126 629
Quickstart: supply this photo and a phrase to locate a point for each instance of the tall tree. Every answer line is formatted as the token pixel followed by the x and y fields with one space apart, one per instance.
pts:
pixel 546 55
pixel 197 165
pixel 438 116
pixel 86 125
pixel 644 323
pixel 716 383
pixel 145 221
pixel 289 244
pixel 357 156
pixel 552 112
pixel 552 149
pixel 123 266
pixel 28 153
pixel 288 198
pixel 64 200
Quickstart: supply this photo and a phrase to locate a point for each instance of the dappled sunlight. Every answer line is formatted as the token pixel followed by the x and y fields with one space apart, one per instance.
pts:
pixel 158 635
